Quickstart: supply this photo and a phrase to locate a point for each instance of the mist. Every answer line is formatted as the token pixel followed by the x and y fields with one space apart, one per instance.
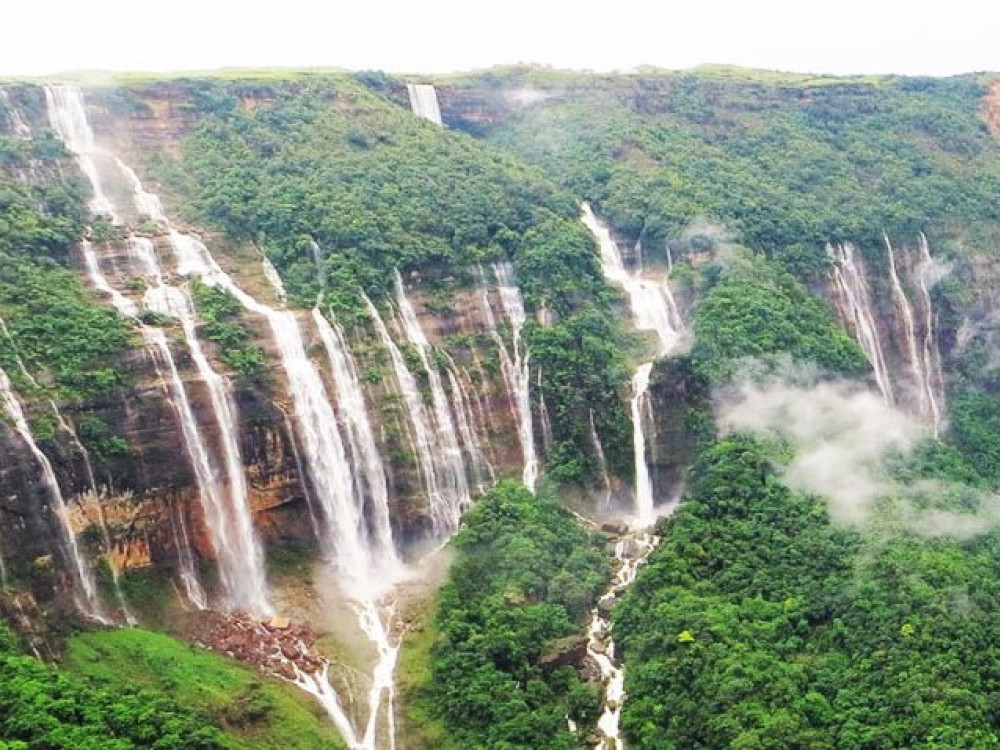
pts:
pixel 844 439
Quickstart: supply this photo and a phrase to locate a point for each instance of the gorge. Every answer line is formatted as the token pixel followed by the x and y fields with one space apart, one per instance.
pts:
pixel 415 399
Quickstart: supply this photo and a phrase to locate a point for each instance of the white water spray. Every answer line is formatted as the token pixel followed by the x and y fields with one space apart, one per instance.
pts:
pixel 83 576
pixel 424 102
pixel 227 514
pixel 653 309
pixel 515 366
pixel 453 489
pixel 856 308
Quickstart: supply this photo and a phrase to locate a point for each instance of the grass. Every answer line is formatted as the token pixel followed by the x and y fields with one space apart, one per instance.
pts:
pixel 413 674
pixel 258 712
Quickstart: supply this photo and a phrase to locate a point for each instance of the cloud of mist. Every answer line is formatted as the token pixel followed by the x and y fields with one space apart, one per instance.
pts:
pixel 844 438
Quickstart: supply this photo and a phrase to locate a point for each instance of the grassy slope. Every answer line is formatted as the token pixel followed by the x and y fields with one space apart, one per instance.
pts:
pixel 259 712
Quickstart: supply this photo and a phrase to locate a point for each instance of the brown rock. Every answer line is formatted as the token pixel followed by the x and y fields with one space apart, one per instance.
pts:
pixel 566 652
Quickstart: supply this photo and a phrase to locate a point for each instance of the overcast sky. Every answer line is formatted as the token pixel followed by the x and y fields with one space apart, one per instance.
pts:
pixel 433 36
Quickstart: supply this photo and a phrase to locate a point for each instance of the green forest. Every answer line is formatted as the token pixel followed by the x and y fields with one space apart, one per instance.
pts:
pixel 762 620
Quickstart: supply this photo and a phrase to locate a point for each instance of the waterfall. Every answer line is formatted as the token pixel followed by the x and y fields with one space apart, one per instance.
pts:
pixel 653 309
pixel 360 435
pixel 15 122
pixel 68 117
pixel 366 562
pixel 361 548
pixel 227 514
pixel 543 411
pixel 95 499
pixel 601 460
pixel 515 366
pixel 453 496
pixel 325 457
pixel 482 472
pixel 920 363
pixel 94 495
pixel 424 102
pixel 425 442
pixel 185 560
pixel 933 374
pixel 83 576
pixel 855 304
pixel 274 279
pixel 631 551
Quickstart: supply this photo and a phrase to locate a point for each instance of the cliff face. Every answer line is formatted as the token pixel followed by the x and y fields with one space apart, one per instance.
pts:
pixel 148 498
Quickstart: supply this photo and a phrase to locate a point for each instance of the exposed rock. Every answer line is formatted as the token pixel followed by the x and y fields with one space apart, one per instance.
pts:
pixel 566 652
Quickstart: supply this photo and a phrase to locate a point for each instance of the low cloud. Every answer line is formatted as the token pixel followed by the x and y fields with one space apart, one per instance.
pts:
pixel 844 438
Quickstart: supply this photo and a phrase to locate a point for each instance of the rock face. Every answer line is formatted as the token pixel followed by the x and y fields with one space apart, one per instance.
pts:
pixel 147 497
pixel 566 652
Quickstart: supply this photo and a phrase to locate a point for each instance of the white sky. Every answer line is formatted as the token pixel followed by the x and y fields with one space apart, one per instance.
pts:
pixel 836 36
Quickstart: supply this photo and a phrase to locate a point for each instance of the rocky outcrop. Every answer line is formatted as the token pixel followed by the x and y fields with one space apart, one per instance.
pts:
pixel 147 494
pixel 991 108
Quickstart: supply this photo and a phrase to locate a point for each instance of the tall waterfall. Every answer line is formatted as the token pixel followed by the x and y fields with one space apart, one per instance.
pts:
pixel 227 513
pixel 922 356
pixel 424 436
pixel 855 304
pixel 653 309
pixel 453 496
pixel 15 122
pixel 424 102
pixel 68 117
pixel 83 576
pixel 185 559
pixel 344 534
pixel 482 472
pixel 361 437
pixel 515 366
pixel 363 558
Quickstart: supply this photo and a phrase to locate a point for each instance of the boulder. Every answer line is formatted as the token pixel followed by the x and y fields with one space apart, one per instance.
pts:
pixel 566 652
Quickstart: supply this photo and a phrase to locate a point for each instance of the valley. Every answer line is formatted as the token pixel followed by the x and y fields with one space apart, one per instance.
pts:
pixel 506 409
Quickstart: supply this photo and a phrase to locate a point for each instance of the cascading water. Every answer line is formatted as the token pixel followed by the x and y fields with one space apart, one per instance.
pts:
pixel 453 497
pixel 193 591
pixel 515 365
pixel 921 364
pixel 631 551
pixel 424 102
pixel 855 304
pixel 83 576
pixel 934 375
pixel 68 117
pixel 226 514
pixel 653 309
pixel 361 437
pixel 15 122
pixel 482 472
pixel 325 457
pixel 424 437
pixel 93 496
pixel 274 279
pixel 365 561
pixel 601 460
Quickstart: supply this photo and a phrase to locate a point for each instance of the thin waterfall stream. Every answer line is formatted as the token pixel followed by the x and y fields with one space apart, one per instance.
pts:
pixel 364 558
pixel 653 309
pixel 223 492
